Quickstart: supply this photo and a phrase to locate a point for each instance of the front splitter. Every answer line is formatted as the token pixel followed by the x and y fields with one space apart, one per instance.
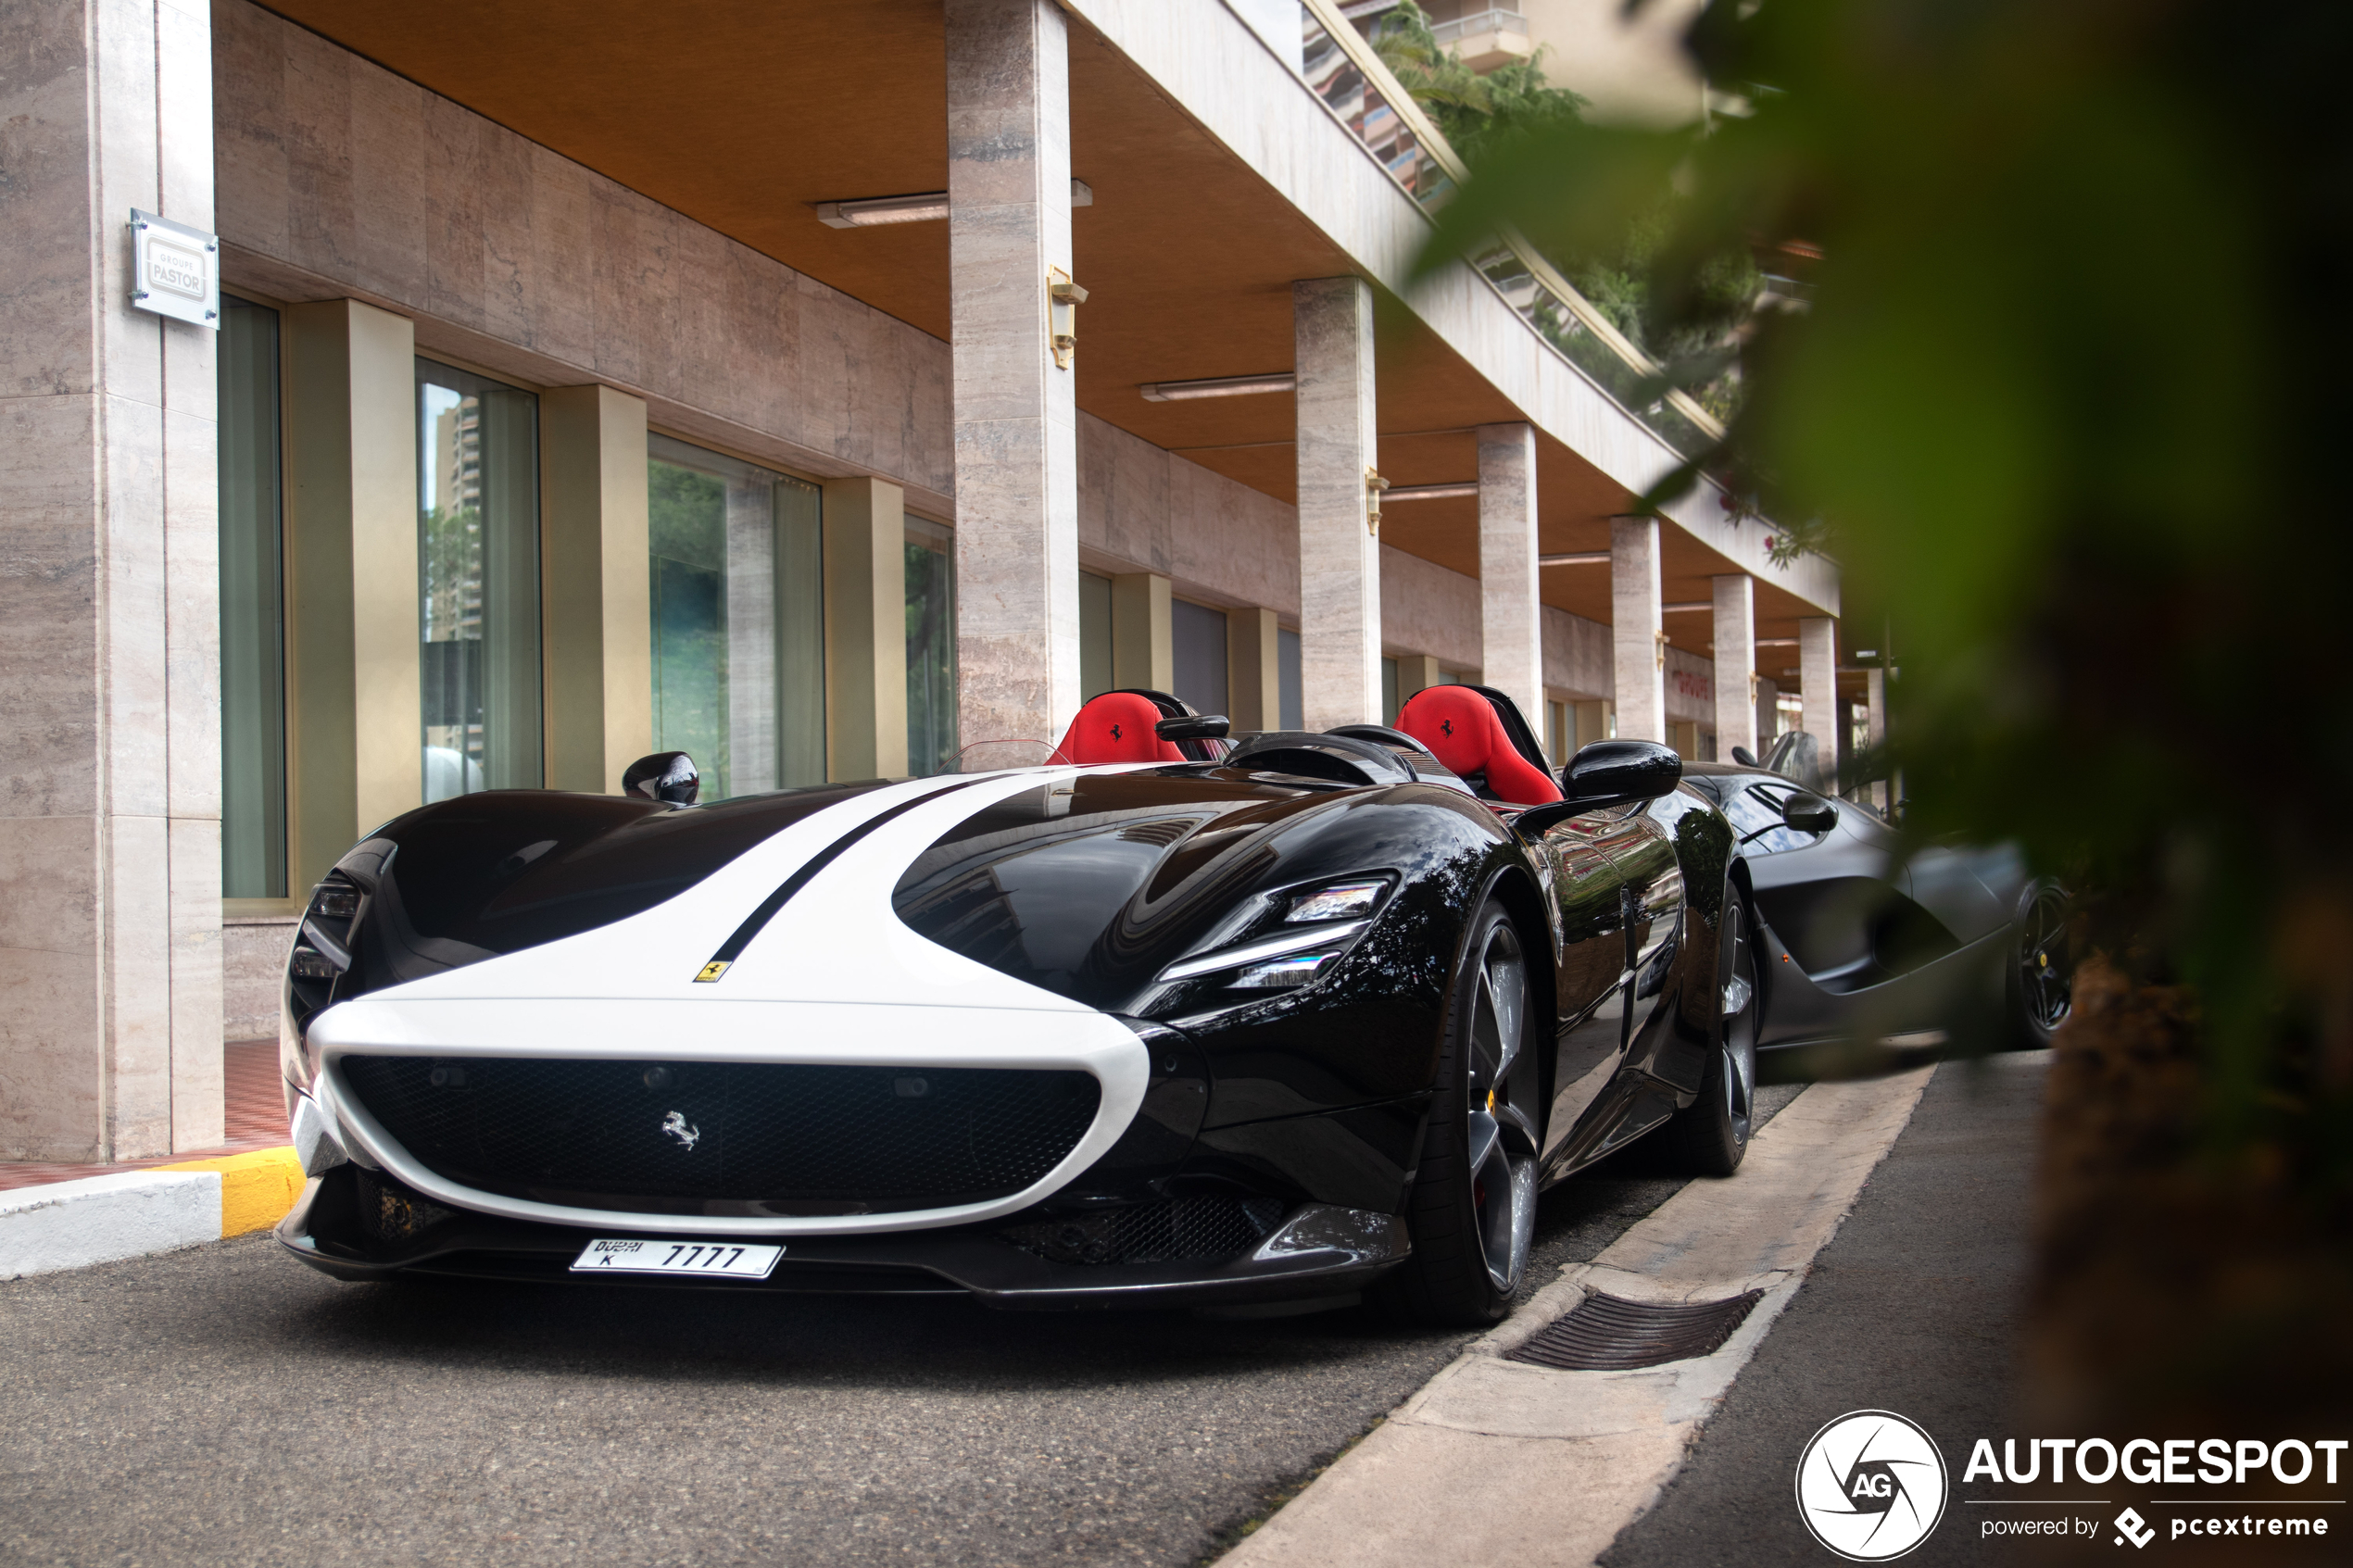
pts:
pixel 1319 1250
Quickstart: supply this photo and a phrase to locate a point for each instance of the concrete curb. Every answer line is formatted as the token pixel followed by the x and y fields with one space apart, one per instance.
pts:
pixel 132 1213
pixel 1500 1461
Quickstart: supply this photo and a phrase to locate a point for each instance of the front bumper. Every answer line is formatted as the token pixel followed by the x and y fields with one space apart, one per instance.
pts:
pixel 1317 1251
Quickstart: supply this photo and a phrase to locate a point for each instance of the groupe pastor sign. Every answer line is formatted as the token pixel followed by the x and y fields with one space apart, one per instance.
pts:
pixel 175 270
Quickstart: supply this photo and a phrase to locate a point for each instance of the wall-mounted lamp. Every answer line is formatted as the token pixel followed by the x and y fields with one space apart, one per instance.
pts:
pixel 1216 386
pixel 1063 300
pixel 1576 558
pixel 1658 641
pixel 1374 485
pixel 928 206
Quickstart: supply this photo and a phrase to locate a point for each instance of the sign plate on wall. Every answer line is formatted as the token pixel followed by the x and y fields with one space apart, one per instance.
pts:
pixel 175 270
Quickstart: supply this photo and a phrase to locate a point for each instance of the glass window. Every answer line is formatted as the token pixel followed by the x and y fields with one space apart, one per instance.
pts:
pixel 736 595
pixel 1388 703
pixel 1094 636
pixel 1556 731
pixel 1196 656
pixel 478 580
pixel 931 647
pixel 253 606
pixel 1287 676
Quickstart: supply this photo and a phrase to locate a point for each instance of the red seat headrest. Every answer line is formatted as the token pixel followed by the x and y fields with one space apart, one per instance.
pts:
pixel 1460 727
pixel 1117 727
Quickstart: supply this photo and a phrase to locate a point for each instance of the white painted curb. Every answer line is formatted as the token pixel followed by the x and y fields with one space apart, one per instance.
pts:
pixel 99 1219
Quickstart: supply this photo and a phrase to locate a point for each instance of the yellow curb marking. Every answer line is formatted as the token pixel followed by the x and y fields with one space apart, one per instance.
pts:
pixel 255 1190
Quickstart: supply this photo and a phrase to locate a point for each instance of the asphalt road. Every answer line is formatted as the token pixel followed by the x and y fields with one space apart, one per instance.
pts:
pixel 1914 1307
pixel 227 1405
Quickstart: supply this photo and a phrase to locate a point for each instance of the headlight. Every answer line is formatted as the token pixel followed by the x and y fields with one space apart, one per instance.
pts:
pixel 1344 900
pixel 1282 973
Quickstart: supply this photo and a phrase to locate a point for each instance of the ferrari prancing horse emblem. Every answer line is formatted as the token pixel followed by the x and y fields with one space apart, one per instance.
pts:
pixel 675 1125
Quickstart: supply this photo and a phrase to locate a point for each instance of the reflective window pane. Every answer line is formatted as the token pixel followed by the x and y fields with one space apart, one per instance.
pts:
pixel 1197 649
pixel 252 666
pixel 931 647
pixel 735 594
pixel 478 581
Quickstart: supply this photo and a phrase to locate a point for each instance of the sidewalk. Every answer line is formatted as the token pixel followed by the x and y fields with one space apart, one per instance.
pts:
pixel 256 1119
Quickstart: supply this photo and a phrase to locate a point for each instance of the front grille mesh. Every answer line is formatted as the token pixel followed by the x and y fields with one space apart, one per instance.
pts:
pixel 1180 1229
pixel 749 1138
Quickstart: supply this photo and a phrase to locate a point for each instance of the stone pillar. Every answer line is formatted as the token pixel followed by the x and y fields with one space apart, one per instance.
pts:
pixel 1339 551
pixel 1511 617
pixel 1636 621
pixel 594 583
pixel 1876 686
pixel 1015 423
pixel 865 524
pixel 353 741
pixel 111 977
pixel 1735 663
pixel 1254 669
pixel 1817 685
pixel 1143 640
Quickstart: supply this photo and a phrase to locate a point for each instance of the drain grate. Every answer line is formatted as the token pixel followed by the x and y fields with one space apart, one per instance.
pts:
pixel 1610 1333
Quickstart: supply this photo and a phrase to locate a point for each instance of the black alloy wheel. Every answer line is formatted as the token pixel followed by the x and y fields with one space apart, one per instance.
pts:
pixel 1709 1138
pixel 1472 1210
pixel 2042 976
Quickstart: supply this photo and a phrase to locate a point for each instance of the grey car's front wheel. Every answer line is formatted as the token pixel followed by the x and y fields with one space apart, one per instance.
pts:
pixel 1709 1138
pixel 2041 983
pixel 1472 1210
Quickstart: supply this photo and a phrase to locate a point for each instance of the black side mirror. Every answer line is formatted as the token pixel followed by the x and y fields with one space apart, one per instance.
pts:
pixel 1608 772
pixel 1809 813
pixel 1194 726
pixel 665 775
pixel 1744 756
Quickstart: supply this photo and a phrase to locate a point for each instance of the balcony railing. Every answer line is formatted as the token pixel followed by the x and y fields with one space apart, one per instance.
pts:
pixel 1495 19
pixel 1341 68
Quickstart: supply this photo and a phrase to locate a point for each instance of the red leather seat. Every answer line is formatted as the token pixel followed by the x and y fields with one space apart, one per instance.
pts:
pixel 1461 729
pixel 1117 727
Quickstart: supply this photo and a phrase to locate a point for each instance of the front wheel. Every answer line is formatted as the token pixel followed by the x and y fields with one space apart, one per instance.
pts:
pixel 1472 1210
pixel 1709 1138
pixel 2041 983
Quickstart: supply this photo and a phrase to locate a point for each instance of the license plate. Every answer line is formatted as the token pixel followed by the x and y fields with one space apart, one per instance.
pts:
pixel 721 1260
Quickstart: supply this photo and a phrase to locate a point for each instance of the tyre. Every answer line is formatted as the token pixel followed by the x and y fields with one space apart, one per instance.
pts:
pixel 2039 987
pixel 1472 1210
pixel 1709 1137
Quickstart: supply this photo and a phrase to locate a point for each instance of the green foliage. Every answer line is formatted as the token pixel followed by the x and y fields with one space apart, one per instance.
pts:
pixel 2060 395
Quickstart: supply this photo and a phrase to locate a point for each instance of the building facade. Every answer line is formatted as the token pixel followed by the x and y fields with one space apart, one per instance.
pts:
pixel 819 388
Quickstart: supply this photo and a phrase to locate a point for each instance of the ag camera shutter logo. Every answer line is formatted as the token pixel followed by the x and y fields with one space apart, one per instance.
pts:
pixel 1871 1486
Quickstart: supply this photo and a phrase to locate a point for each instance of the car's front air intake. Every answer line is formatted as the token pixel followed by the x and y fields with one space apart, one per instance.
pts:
pixel 727 1138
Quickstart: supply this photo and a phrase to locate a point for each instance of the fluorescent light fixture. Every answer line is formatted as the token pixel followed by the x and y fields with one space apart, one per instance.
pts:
pixel 930 207
pixel 1216 386
pixel 1693 608
pixel 1431 492
pixel 1775 643
pixel 1578 557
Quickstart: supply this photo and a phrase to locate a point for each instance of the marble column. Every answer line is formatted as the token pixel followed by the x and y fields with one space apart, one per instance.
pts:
pixel 1511 617
pixel 1339 549
pixel 110 967
pixel 1636 621
pixel 865 629
pixel 596 578
pixel 1143 634
pixel 1818 687
pixel 1015 423
pixel 1735 655
pixel 1254 669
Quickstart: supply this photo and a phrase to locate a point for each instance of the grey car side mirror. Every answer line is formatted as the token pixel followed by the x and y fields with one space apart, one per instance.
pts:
pixel 664 775
pixel 1809 813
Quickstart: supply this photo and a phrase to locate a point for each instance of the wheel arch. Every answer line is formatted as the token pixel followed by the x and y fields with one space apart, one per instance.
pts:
pixel 1515 887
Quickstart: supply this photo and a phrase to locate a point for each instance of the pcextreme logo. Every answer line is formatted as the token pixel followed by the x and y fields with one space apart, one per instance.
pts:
pixel 1870 1486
